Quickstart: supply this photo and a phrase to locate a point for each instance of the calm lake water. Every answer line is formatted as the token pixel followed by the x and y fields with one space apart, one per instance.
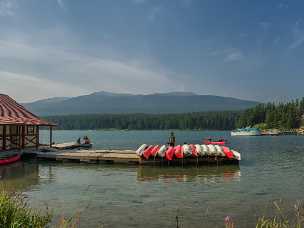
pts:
pixel 124 196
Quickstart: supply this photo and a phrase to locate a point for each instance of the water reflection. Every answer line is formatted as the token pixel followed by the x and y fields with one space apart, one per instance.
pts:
pixel 18 176
pixel 189 174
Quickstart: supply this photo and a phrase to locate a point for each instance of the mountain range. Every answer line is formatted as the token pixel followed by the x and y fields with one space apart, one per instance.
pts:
pixel 106 102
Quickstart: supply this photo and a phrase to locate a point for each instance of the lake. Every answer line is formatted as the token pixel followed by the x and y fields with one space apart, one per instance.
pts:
pixel 129 196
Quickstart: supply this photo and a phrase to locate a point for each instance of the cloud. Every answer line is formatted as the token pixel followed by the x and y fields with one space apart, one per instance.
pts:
pixel 297 34
pixel 74 73
pixel 154 12
pixel 265 25
pixel 27 87
pixel 61 4
pixel 235 55
pixel 282 5
pixel 7 7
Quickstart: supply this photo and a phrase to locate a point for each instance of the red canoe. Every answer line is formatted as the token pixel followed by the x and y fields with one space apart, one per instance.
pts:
pixel 220 143
pixel 154 150
pixel 227 152
pixel 170 153
pixel 178 151
pixel 147 152
pixel 193 149
pixel 9 160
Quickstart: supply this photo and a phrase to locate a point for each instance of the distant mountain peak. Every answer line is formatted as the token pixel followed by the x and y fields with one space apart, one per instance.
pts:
pixel 52 100
pixel 107 102
pixel 174 93
pixel 105 93
pixel 177 93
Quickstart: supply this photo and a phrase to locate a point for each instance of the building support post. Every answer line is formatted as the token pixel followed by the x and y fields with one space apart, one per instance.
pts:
pixel 22 136
pixel 37 137
pixel 4 138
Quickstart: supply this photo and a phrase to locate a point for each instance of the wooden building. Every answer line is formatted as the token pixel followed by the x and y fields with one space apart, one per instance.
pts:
pixel 19 128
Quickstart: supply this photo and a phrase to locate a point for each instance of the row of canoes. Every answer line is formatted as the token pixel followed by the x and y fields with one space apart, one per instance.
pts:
pixel 187 150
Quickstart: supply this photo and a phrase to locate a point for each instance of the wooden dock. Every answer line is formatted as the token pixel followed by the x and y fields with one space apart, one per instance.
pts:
pixel 121 157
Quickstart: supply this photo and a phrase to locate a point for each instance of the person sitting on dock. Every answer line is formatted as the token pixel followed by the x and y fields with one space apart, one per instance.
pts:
pixel 86 140
pixel 171 139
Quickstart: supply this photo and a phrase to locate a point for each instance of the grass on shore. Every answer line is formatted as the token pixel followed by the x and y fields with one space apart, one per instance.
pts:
pixel 14 213
pixel 281 218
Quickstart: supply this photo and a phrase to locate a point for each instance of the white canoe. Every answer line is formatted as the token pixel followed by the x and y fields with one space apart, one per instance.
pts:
pixel 141 149
pixel 186 150
pixel 211 150
pixel 198 149
pixel 162 151
pixel 236 155
pixel 204 149
pixel 219 151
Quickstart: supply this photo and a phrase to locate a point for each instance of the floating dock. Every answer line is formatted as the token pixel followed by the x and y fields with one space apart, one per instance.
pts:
pixel 121 157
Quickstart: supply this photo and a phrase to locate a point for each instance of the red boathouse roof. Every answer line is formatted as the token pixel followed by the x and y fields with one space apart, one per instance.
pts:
pixel 13 113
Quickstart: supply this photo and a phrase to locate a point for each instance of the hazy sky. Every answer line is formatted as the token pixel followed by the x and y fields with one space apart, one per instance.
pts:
pixel 240 48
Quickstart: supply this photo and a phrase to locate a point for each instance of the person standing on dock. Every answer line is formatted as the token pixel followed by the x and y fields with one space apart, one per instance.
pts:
pixel 171 139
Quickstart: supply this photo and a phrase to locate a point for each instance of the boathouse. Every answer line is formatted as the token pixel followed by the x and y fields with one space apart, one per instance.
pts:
pixel 19 128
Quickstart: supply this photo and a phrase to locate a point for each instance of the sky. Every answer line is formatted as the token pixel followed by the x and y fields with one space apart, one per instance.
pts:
pixel 236 48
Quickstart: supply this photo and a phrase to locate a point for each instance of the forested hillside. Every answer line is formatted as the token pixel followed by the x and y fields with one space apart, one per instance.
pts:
pixel 158 103
pixel 271 115
pixel 205 120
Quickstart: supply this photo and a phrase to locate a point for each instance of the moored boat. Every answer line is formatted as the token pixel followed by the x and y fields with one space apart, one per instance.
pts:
pixel 8 159
pixel 199 149
pixel 147 152
pixel 248 131
pixel 211 150
pixel 186 150
pixel 220 142
pixel 204 149
pixel 170 153
pixel 219 151
pixel 141 149
pixel 228 152
pixel 154 150
pixel 162 151
pixel 193 150
pixel 178 152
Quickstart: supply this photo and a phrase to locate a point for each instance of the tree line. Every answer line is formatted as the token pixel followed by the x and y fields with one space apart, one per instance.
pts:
pixel 204 120
pixel 271 115
pixel 280 116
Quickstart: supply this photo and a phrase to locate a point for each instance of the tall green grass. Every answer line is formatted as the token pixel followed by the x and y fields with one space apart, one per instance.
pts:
pixel 14 213
pixel 281 218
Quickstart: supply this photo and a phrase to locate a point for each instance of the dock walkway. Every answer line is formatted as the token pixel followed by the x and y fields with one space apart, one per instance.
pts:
pixel 121 157
pixel 90 156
